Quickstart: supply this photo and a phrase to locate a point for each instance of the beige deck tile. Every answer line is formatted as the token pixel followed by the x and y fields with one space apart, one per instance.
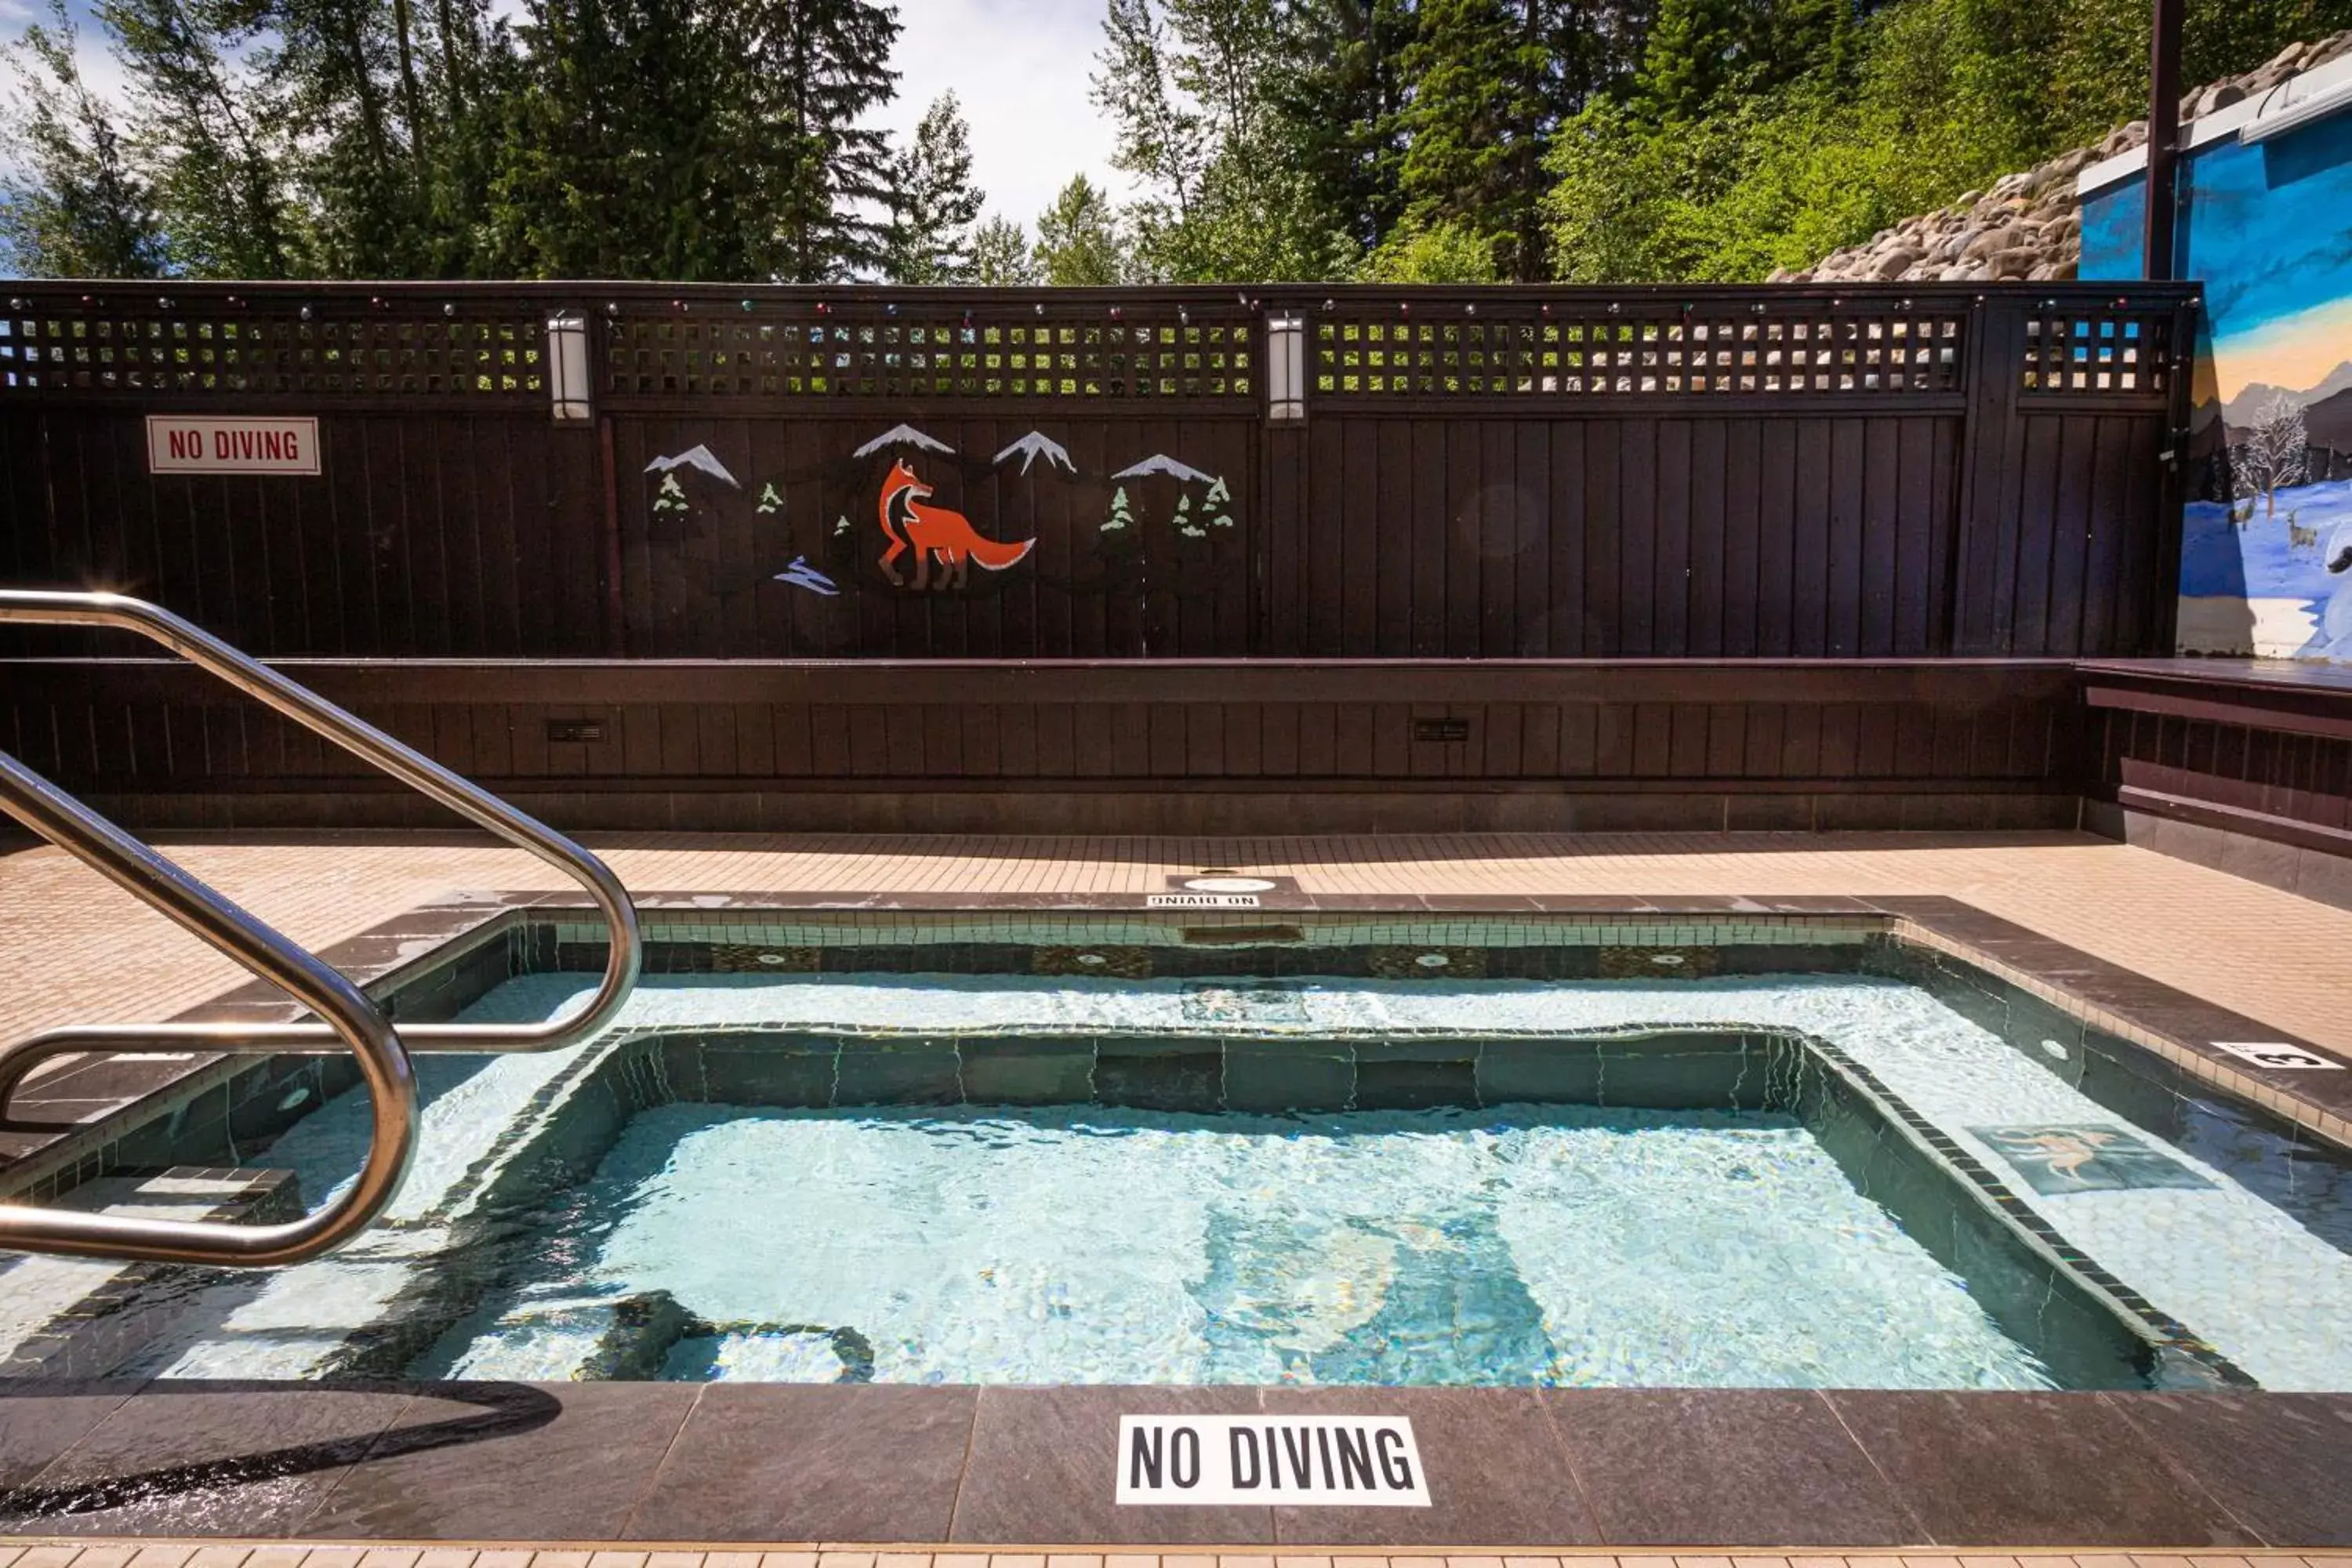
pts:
pixel 333 1557
pixel 1645 1563
pixel 902 1560
pixel 504 1558
pixel 1681 1562
pixel 845 1560
pixel 1110 1560
pixel 788 1559
pixel 439 1557
pixel 958 1559
pixel 1543 1562
pixel 2218 1562
pixel 687 1560
pixel 2203 930
pixel 2158 1560
pixel 281 1557
pixel 559 1560
pixel 1236 1561
pixel 1063 1560
pixel 1827 1562
pixel 163 1556
pixel 387 1557
pixel 1416 1562
pixel 48 1557
pixel 728 1559
pixel 1009 1560
pixel 1192 1559
pixel 105 1556
pixel 2102 1560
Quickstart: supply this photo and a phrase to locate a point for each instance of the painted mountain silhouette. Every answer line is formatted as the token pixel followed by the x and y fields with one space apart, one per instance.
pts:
pixel 1161 463
pixel 2243 409
pixel 903 436
pixel 1033 445
pixel 701 458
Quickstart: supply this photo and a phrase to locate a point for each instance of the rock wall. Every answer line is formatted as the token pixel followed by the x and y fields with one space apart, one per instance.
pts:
pixel 2029 226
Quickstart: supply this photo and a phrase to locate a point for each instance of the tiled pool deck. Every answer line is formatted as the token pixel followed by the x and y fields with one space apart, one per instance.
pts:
pixel 96 955
pixel 1558 1469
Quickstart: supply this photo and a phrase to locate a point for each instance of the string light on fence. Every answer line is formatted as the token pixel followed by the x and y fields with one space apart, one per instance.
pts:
pixel 568 392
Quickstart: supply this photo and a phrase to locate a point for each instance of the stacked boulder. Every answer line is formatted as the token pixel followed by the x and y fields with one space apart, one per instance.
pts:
pixel 2029 226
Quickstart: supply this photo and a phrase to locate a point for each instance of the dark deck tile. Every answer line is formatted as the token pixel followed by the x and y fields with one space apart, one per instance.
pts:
pixel 1724 1468
pixel 1497 1474
pixel 508 1461
pixel 205 1458
pixel 40 1420
pixel 2057 1470
pixel 1044 1468
pixel 2280 1463
pixel 780 1462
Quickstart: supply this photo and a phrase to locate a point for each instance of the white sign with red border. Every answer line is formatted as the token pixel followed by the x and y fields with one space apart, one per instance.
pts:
pixel 216 444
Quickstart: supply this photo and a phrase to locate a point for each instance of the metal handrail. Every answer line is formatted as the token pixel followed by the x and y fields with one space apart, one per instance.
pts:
pixel 362 740
pixel 55 815
pixel 358 1022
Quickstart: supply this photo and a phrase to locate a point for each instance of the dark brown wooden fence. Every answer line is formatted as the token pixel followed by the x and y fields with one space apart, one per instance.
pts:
pixel 1803 472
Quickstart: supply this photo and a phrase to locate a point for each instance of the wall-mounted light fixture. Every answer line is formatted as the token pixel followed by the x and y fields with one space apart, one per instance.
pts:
pixel 1286 368
pixel 568 392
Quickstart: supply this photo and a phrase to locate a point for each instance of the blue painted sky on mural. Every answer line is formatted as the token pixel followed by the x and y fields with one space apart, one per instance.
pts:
pixel 2267 227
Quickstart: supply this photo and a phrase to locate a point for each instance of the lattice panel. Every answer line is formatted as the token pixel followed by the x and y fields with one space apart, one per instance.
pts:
pixel 1601 356
pixel 897 358
pixel 219 354
pixel 2099 351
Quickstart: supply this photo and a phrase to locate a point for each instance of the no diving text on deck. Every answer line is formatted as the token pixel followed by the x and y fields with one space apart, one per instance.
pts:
pixel 1353 1461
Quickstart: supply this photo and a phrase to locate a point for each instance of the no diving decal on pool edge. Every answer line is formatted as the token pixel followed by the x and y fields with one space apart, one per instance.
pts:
pixel 1349 1461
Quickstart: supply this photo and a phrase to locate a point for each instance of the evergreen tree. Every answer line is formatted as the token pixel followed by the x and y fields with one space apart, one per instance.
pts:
pixel 1190 88
pixel 1342 103
pixel 934 203
pixel 1795 38
pixel 1078 237
pixel 1001 256
pixel 208 138
pixel 821 67
pixel 1696 47
pixel 76 207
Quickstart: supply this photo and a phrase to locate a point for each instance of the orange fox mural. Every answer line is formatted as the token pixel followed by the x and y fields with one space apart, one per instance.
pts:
pixel 935 533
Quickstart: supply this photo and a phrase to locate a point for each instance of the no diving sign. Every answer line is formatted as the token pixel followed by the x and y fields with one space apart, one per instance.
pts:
pixel 1353 1461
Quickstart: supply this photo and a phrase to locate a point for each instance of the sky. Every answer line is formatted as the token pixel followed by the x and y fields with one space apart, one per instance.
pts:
pixel 1020 67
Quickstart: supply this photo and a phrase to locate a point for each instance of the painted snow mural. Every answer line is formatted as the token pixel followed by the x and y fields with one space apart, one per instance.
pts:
pixel 2266 546
pixel 1141 539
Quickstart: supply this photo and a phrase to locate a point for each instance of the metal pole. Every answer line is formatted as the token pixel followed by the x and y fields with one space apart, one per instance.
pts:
pixel 2163 140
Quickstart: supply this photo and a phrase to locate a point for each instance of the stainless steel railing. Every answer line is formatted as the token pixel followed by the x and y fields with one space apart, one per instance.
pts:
pixel 350 1020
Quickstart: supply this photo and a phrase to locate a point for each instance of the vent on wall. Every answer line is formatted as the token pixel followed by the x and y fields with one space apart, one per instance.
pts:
pixel 574 731
pixel 1440 729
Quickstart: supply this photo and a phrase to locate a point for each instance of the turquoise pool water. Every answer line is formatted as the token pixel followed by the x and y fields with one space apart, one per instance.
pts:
pixel 729 1184
pixel 1522 1245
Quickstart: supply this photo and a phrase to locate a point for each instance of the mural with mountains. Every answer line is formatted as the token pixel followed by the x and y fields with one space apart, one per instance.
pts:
pixel 2266 543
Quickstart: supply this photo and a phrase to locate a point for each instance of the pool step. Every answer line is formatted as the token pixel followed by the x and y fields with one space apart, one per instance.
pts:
pixel 96 1329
